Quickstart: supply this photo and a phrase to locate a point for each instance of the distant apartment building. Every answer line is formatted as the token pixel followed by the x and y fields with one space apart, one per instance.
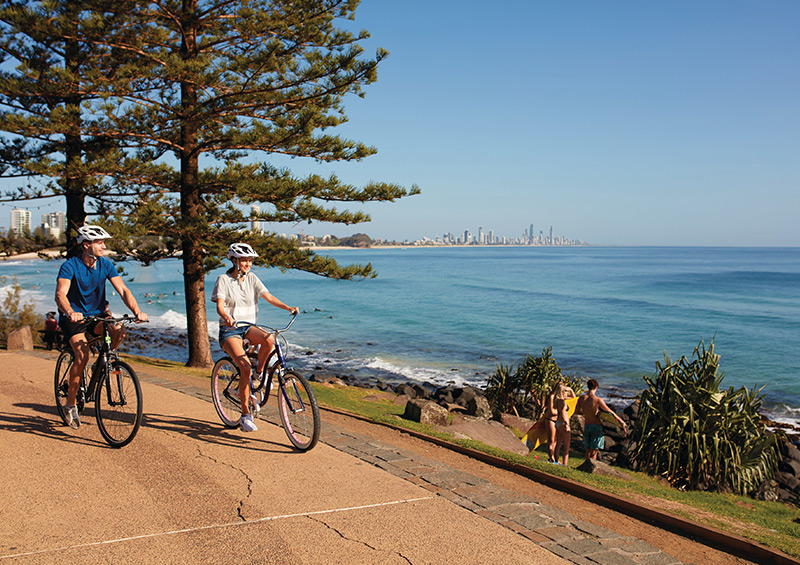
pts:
pixel 256 225
pixel 20 222
pixel 54 225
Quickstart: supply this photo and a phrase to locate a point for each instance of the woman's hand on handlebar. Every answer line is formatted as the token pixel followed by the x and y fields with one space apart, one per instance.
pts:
pixel 141 317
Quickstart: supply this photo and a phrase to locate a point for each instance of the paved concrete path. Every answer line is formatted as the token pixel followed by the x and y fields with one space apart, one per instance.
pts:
pixel 187 490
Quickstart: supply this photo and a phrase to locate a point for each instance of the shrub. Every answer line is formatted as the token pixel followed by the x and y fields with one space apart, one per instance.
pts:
pixel 14 314
pixel 523 390
pixel 698 436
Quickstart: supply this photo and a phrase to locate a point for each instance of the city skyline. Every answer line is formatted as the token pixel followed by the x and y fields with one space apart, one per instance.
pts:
pixel 625 124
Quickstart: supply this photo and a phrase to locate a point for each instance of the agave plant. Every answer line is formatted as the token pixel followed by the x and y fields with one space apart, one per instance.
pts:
pixel 500 389
pixel 698 436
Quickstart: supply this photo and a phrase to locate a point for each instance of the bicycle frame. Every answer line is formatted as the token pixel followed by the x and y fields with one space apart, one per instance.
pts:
pixel 280 365
pixel 105 355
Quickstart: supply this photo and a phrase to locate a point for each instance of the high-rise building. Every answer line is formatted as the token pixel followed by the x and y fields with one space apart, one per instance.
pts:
pixel 21 221
pixel 54 224
pixel 531 235
pixel 255 225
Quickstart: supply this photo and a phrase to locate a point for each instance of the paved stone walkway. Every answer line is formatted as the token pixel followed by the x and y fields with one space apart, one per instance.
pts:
pixel 558 531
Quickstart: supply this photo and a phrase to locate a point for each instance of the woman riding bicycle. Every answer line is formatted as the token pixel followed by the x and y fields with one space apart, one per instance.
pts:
pixel 236 295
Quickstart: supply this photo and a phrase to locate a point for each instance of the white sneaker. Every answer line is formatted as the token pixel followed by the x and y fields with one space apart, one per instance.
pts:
pixel 73 418
pixel 247 424
pixel 255 406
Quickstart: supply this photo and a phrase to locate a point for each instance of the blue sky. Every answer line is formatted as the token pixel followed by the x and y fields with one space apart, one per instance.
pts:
pixel 616 122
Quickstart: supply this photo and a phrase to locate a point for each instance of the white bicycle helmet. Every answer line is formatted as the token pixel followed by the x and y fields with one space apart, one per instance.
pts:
pixel 91 233
pixel 239 250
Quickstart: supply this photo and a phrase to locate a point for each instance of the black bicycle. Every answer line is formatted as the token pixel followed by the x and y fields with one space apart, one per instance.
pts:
pixel 297 405
pixel 114 386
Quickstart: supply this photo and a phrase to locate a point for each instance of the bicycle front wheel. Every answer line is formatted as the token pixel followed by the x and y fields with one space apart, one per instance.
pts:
pixel 298 409
pixel 225 391
pixel 118 404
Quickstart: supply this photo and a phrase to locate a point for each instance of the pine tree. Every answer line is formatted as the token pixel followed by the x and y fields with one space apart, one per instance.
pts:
pixel 220 84
pixel 57 69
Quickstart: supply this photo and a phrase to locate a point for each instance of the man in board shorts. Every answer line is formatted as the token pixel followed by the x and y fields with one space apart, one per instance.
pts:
pixel 590 405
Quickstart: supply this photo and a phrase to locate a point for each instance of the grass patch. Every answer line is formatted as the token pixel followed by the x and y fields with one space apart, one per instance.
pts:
pixel 167 365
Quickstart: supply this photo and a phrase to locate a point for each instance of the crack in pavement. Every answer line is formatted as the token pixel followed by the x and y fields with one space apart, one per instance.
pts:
pixel 365 544
pixel 249 481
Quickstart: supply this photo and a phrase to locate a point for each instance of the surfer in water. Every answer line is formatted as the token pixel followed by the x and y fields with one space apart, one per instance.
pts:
pixel 591 405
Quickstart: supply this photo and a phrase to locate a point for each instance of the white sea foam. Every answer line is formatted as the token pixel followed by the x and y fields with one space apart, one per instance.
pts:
pixel 425 374
pixel 169 319
pixel 782 414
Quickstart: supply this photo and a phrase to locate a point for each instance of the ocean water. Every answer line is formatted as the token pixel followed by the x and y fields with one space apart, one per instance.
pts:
pixel 451 314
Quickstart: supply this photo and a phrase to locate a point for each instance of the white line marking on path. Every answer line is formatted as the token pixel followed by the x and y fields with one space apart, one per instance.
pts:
pixel 214 526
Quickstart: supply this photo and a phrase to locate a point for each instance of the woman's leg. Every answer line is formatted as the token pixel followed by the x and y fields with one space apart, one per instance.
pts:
pixel 233 346
pixel 551 439
pixel 265 341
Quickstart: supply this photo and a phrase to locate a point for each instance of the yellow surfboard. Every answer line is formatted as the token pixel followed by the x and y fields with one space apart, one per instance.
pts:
pixel 537 435
pixel 609 418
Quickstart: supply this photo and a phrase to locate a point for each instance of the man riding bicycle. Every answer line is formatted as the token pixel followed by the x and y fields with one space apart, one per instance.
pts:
pixel 81 291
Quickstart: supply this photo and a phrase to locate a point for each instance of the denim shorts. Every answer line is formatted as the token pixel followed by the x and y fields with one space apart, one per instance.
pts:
pixel 226 332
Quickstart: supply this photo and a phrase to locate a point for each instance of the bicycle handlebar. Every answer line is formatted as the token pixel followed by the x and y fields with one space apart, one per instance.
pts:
pixel 271 330
pixel 106 320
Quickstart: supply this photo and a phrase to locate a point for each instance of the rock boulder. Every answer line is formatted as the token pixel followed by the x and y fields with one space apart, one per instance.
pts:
pixel 20 339
pixel 426 412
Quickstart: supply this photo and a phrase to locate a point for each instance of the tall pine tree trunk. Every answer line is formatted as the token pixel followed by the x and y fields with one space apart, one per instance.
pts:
pixel 192 213
pixel 193 272
pixel 74 191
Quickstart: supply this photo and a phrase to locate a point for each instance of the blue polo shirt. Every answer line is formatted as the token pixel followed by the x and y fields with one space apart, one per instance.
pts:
pixel 87 289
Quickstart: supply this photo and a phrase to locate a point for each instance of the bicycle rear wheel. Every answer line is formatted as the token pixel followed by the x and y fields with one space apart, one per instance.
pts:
pixel 61 385
pixel 225 391
pixel 118 404
pixel 298 409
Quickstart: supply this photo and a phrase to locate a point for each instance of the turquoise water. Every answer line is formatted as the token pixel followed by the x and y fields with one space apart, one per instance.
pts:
pixel 450 314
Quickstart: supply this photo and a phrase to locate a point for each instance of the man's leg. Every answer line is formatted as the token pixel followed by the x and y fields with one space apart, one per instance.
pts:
pixel 80 350
pixel 117 333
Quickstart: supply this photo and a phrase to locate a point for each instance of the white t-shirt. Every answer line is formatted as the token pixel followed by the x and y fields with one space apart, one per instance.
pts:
pixel 241 297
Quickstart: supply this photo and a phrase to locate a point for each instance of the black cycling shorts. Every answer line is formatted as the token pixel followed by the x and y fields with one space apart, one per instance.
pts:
pixel 69 328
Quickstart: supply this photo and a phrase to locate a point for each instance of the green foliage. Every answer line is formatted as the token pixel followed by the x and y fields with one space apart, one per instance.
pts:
pixel 524 390
pixel 357 240
pixel 14 314
pixel 13 244
pixel 58 67
pixel 698 436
